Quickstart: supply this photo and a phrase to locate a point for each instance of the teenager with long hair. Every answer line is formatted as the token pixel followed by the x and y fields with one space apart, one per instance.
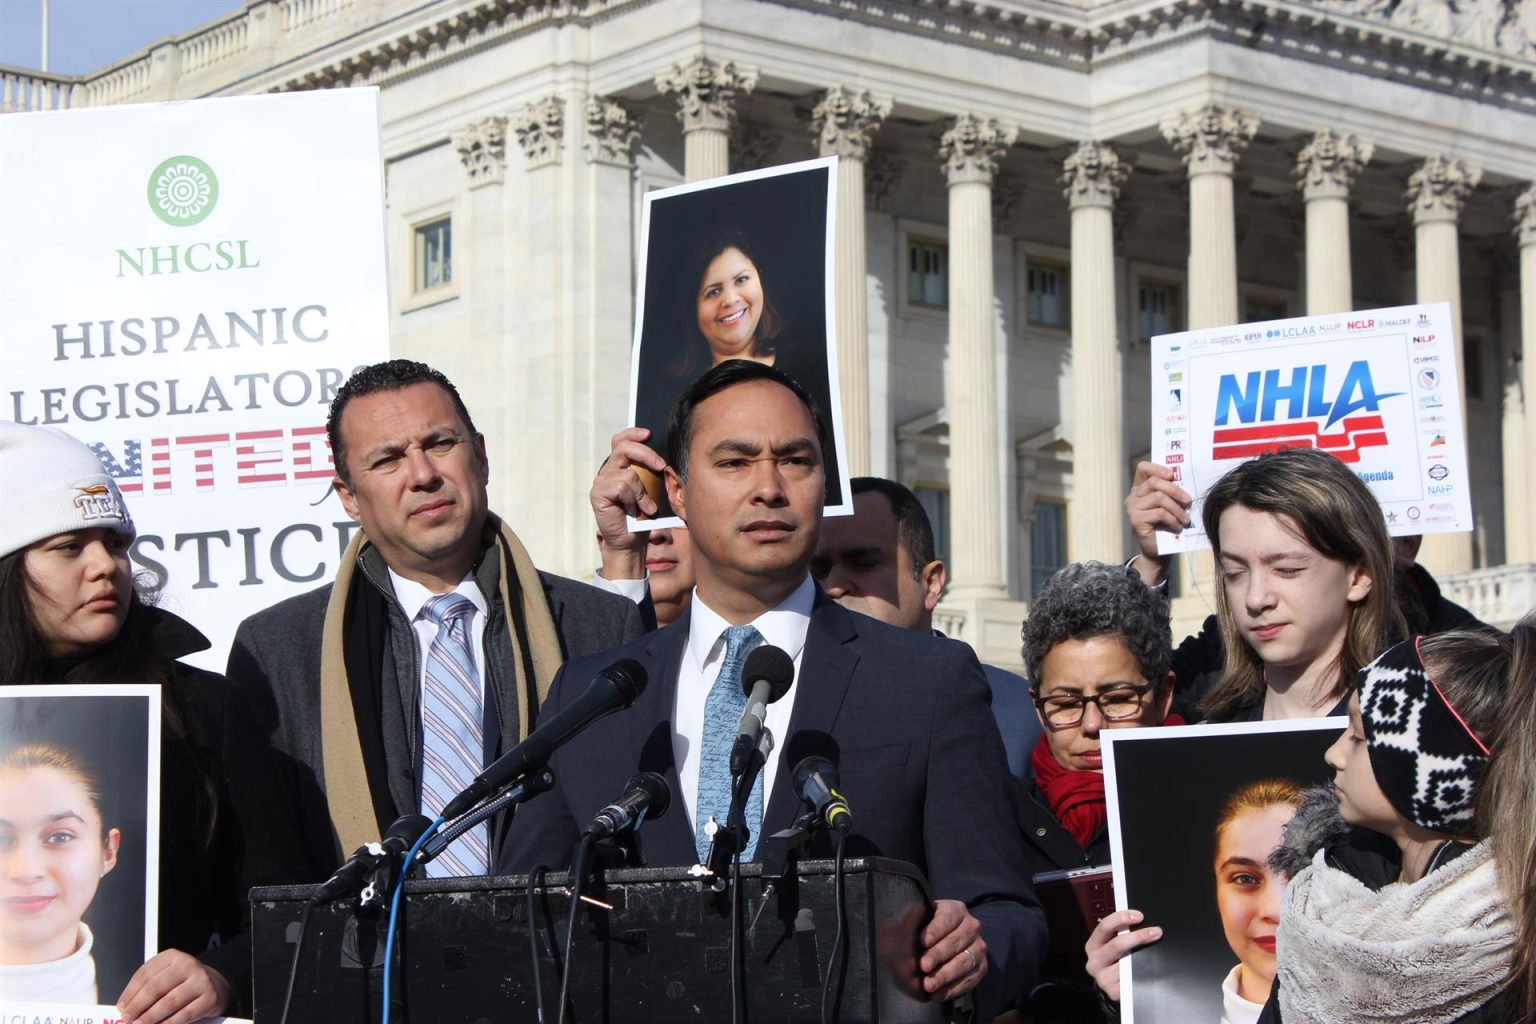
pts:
pixel 1438 759
pixel 1304 585
pixel 70 613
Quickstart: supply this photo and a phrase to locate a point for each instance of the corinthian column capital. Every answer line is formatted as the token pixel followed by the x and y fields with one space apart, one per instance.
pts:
pixel 706 92
pixel 540 128
pixel 1437 190
pixel 972 146
pixel 1093 174
pixel 611 132
pixel 1525 218
pixel 1327 166
pixel 844 121
pixel 482 146
pixel 1211 138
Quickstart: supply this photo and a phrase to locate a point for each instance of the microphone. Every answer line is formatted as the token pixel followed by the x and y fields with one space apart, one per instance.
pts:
pixel 765 678
pixel 646 797
pixel 615 687
pixel 815 781
pixel 351 876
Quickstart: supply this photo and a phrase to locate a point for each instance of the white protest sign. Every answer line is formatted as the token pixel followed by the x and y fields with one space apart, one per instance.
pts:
pixel 183 287
pixel 1377 388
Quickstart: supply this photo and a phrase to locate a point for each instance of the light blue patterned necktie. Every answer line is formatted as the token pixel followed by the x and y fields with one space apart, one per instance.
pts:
pixel 722 720
pixel 453 745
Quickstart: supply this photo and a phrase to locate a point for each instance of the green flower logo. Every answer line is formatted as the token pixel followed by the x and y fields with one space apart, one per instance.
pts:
pixel 183 191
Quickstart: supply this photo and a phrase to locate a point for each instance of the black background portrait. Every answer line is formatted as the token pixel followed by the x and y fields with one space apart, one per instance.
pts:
pixel 783 219
pixel 110 734
pixel 1171 790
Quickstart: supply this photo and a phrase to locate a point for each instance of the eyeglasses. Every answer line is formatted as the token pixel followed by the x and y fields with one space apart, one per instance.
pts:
pixel 1116 704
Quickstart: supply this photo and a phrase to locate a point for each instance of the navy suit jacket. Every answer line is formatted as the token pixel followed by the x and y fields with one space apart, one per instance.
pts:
pixel 906 719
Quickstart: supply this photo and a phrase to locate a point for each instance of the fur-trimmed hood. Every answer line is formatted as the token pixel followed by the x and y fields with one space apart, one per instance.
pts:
pixel 1317 824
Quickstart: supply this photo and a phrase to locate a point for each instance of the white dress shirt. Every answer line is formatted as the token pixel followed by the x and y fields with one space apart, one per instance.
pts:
pixel 635 590
pixel 783 626
pixel 413 596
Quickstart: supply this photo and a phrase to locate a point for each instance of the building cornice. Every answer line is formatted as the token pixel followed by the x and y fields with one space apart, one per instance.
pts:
pixel 316 44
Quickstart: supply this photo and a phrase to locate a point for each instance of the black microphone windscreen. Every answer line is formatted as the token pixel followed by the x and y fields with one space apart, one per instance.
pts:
pixel 656 789
pixel 811 765
pixel 408 828
pixel 771 665
pixel 629 676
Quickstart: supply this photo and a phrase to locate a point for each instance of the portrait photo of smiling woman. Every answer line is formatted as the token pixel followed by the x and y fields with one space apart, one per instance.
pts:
pixel 76 808
pixel 737 268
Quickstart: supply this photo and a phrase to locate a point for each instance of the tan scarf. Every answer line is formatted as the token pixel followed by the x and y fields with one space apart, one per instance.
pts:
pixel 346 780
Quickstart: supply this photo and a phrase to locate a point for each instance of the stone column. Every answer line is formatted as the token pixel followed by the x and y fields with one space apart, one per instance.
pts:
pixel 1210 140
pixel 706 95
pixel 971 149
pixel 1436 192
pixel 479 248
pixel 1325 169
pixel 844 122
pixel 1092 175
pixel 1522 520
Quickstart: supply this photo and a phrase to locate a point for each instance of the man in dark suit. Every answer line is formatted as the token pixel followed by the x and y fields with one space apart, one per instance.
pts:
pixel 882 561
pixel 389 689
pixel 904 716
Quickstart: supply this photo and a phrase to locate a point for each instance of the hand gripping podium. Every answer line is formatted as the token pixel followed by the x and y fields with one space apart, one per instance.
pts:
pixel 660 955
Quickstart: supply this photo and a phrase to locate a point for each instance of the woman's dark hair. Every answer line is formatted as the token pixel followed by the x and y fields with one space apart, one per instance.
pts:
pixel 694 357
pixel 132 656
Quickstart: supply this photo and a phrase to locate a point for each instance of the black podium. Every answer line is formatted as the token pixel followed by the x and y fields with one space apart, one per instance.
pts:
pixel 661 954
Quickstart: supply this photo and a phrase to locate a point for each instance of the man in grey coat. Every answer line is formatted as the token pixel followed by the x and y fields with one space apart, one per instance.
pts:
pixel 428 656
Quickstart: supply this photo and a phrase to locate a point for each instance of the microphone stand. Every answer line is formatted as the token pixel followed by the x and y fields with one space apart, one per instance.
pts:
pixel 521 791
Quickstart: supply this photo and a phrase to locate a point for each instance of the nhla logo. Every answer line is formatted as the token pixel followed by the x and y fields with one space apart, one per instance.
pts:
pixel 183 191
pixel 1284 414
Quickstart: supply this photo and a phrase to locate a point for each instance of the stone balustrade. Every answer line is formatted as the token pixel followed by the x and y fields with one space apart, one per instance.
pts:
pixel 21 89
pixel 195 53
pixel 215 43
pixel 1500 595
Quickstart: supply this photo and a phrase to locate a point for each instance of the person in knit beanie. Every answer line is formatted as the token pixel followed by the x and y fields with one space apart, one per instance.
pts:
pixel 70 613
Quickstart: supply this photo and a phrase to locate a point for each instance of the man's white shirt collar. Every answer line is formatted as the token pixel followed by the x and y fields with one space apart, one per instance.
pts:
pixel 412 595
pixel 784 625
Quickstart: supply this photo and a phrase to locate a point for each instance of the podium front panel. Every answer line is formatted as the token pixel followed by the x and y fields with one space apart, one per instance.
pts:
pixel 660 955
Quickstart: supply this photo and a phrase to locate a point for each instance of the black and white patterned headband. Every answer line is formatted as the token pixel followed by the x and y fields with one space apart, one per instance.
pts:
pixel 1425 758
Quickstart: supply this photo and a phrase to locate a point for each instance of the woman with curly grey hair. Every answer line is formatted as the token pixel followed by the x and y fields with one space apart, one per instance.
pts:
pixel 1097 649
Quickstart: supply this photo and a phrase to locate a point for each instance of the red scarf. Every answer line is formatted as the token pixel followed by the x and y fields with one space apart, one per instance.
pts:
pixel 1076 798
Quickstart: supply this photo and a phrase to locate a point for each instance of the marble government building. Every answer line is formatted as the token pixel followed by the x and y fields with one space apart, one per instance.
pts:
pixel 1029 190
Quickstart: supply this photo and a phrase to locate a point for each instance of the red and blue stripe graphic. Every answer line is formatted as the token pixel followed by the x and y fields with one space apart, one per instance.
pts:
pixel 1355 433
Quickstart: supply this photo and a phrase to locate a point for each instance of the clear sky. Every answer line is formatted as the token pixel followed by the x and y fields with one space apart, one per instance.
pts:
pixel 84 35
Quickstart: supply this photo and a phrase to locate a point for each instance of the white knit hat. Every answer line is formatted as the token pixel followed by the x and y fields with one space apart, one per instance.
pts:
pixel 52 484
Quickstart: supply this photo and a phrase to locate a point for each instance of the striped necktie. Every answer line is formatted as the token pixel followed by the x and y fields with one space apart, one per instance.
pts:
pixel 722 720
pixel 452 749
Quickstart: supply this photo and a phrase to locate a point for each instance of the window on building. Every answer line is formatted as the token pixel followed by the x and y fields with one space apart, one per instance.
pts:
pixel 935 502
pixel 1472 363
pixel 928 274
pixel 434 254
pixel 1049 299
pixel 1256 309
pixel 1047 543
pixel 1158 308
